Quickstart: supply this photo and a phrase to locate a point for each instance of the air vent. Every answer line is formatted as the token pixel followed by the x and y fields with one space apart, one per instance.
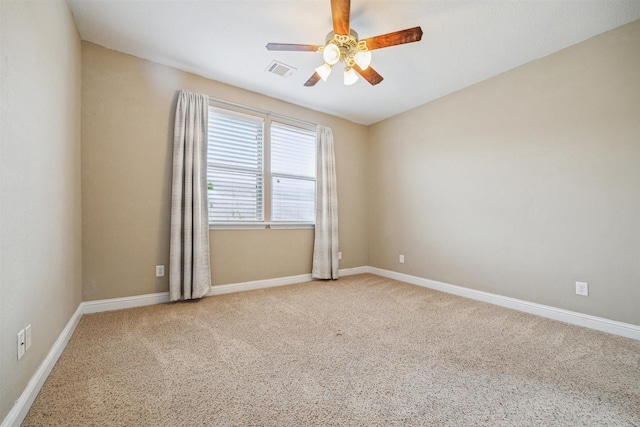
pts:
pixel 283 70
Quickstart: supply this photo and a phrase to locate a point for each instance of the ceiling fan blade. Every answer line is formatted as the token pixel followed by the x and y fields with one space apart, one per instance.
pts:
pixel 293 47
pixel 340 12
pixel 409 35
pixel 369 74
pixel 315 78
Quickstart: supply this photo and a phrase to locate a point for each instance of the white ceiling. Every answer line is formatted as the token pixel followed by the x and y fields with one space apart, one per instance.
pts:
pixel 464 42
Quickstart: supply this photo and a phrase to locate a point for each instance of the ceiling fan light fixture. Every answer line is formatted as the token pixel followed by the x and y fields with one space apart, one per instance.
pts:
pixel 331 54
pixel 363 59
pixel 323 71
pixel 343 45
pixel 350 76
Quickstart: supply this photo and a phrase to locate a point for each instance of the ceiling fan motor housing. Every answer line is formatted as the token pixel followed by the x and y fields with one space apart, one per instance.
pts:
pixel 348 44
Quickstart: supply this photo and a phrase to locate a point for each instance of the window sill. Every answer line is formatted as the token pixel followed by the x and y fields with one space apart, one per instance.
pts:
pixel 260 225
pixel 290 225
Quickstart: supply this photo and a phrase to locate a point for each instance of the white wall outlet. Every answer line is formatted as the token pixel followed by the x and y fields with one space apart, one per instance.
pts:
pixel 339 255
pixel 159 270
pixel 27 337
pixel 21 344
pixel 401 259
pixel 582 288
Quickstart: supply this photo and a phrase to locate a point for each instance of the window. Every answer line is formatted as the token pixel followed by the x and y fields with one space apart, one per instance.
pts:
pixel 293 174
pixel 235 167
pixel 260 172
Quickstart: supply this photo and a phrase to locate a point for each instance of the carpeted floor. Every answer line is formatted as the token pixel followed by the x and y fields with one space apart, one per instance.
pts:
pixel 362 351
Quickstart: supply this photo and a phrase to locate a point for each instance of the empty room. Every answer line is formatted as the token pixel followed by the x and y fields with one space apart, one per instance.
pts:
pixel 320 213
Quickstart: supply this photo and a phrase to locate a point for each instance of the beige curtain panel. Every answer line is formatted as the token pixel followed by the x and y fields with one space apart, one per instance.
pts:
pixel 325 247
pixel 189 269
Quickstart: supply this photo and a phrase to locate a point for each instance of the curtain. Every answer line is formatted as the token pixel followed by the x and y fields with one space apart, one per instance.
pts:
pixel 189 269
pixel 325 246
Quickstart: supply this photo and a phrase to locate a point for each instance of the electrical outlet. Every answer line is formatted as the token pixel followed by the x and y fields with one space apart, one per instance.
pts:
pixel 339 255
pixel 582 288
pixel 27 337
pixel 21 344
pixel 401 259
pixel 159 270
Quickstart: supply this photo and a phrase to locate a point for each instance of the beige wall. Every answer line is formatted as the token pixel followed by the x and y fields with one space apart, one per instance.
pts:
pixel 40 217
pixel 523 184
pixel 128 109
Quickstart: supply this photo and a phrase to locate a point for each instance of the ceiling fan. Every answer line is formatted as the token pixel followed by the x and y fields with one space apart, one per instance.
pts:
pixel 342 44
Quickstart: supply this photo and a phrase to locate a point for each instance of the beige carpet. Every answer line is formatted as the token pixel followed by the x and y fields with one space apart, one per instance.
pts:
pixel 362 351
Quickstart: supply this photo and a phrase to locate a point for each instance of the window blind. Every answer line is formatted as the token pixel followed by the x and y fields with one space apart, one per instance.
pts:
pixel 293 173
pixel 235 166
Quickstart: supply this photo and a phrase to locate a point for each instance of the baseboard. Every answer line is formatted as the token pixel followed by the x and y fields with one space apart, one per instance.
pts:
pixel 627 330
pixel 258 284
pixel 280 281
pixel 163 297
pixel 19 411
pixel 352 271
pixel 124 302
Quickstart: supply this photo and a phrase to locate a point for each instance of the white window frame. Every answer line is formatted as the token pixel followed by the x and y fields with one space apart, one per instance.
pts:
pixel 311 134
pixel 267 196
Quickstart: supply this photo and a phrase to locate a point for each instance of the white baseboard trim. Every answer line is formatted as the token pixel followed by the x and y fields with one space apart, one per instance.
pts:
pixel 111 304
pixel 627 330
pixel 24 402
pixel 271 283
pixel 258 284
pixel 352 271
pixel 124 302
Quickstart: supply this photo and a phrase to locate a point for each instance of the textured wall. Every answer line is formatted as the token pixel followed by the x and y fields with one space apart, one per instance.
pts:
pixel 40 217
pixel 128 107
pixel 523 184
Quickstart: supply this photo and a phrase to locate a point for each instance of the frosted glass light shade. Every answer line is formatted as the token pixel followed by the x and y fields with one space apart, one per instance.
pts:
pixel 363 59
pixel 350 76
pixel 331 54
pixel 323 71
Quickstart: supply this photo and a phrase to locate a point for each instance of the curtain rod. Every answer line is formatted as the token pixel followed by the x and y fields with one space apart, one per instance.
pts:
pixel 261 111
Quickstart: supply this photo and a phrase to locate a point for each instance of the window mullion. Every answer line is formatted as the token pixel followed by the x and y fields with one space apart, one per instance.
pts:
pixel 267 170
